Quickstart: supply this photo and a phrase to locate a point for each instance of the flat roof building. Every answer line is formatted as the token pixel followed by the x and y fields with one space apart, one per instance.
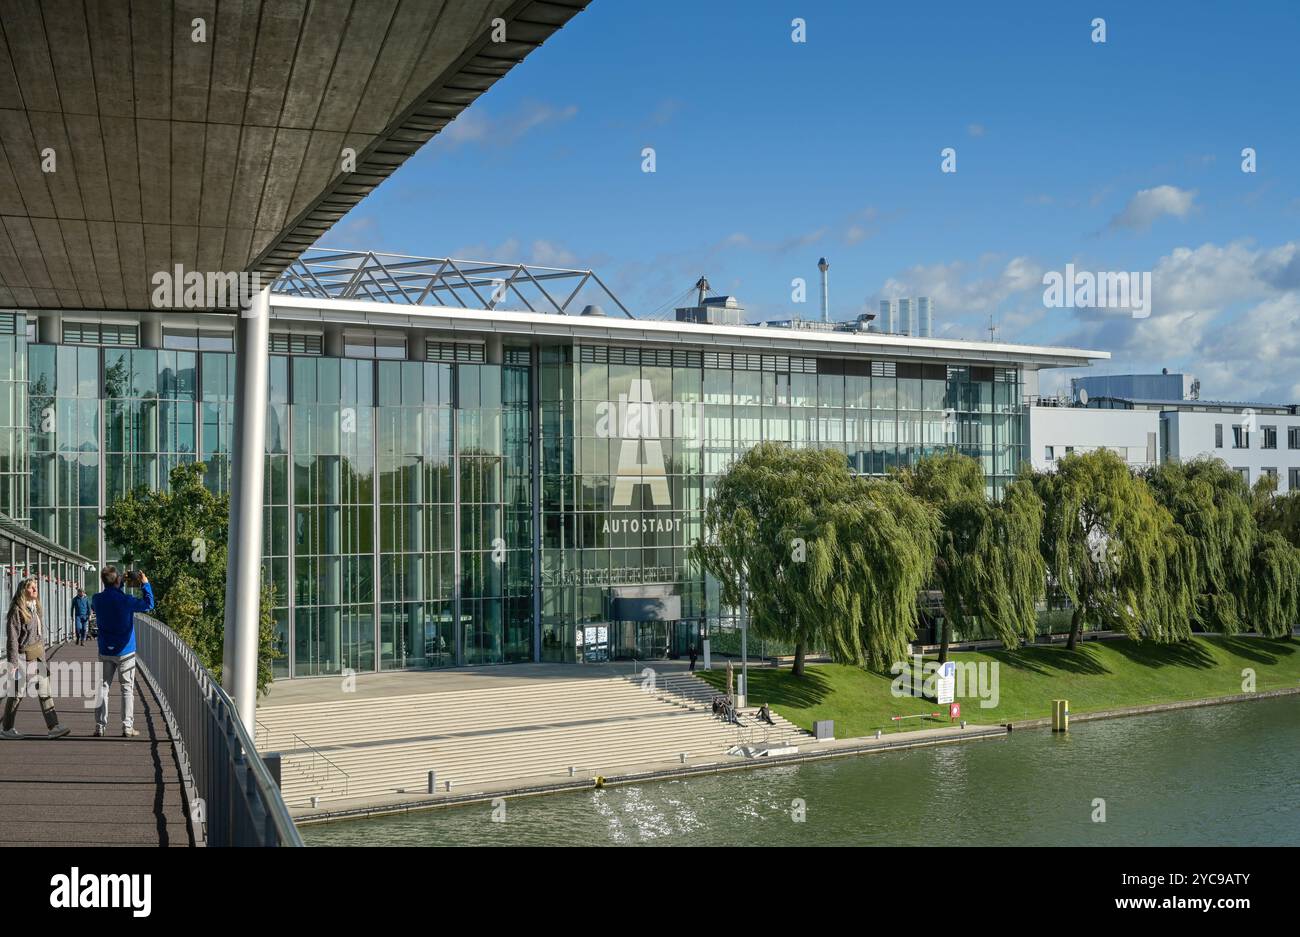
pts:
pixel 1255 439
pixel 451 485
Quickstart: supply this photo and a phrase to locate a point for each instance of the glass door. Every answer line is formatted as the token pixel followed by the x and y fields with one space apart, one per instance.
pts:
pixel 593 643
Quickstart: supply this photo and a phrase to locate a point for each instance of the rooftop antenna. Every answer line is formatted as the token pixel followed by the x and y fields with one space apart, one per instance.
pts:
pixel 703 286
pixel 823 266
pixel 993 329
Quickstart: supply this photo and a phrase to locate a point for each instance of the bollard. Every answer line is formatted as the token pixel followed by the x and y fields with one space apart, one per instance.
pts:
pixel 682 756
pixel 315 801
pixel 963 723
pixel 448 787
pixel 1060 715
pixel 572 771
pixel 433 782
pixel 877 733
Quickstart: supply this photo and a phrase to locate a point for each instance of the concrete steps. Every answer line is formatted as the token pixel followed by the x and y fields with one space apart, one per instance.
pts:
pixel 496 734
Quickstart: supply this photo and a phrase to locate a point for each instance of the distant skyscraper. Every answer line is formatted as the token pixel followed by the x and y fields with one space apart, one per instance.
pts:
pixel 924 316
pixel 888 315
pixel 907 316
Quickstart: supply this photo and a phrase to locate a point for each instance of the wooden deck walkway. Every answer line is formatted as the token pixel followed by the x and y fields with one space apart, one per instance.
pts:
pixel 85 791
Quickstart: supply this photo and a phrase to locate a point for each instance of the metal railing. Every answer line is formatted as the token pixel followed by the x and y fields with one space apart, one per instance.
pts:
pixel 58 572
pixel 239 803
pixel 317 754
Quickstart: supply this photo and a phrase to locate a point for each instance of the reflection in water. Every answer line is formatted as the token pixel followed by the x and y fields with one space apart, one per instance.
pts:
pixel 1225 775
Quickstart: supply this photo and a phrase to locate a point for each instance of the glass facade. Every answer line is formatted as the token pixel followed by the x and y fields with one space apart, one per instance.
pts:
pixel 621 505
pixel 462 510
pixel 14 419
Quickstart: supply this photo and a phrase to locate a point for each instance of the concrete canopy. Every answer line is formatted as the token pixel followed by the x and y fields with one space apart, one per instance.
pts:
pixel 223 155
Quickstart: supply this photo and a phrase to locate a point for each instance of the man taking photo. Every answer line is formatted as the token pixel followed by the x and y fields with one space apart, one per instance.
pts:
pixel 115 613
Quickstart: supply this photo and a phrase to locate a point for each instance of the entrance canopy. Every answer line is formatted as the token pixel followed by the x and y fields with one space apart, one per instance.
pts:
pixel 220 135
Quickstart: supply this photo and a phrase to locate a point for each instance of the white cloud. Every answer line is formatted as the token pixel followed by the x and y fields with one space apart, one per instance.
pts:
pixel 954 290
pixel 1149 205
pixel 1255 357
pixel 352 233
pixel 477 127
pixel 1228 313
pixel 550 254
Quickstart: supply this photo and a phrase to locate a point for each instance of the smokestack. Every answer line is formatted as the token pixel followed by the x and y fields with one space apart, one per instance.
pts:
pixel 703 286
pixel 823 266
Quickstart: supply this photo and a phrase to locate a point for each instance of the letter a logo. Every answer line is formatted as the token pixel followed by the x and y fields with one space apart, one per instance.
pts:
pixel 633 469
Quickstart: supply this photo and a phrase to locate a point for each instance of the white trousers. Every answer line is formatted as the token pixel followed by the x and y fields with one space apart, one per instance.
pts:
pixel 124 669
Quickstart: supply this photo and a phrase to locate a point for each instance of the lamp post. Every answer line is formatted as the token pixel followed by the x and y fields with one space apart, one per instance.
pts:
pixel 744 648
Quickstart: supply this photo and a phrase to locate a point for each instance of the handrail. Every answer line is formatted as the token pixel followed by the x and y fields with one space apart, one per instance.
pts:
pixel 234 799
pixel 316 752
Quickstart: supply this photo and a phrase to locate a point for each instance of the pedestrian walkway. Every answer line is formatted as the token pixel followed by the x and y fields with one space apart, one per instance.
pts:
pixel 87 791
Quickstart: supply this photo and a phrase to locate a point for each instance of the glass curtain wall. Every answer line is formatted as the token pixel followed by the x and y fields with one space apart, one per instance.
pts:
pixel 149 398
pixel 713 406
pixel 63 403
pixel 417 579
pixel 333 524
pixel 432 565
pixel 14 419
pixel 494 496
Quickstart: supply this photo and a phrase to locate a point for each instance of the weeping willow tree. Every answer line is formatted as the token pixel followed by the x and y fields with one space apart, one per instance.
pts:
pixel 821 557
pixel 1274 591
pixel 757 525
pixel 988 561
pixel 1115 551
pixel 885 550
pixel 1248 574
pixel 1281 514
pixel 1212 504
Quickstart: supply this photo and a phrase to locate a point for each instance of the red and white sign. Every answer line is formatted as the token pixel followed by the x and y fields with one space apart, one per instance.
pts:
pixel 954 711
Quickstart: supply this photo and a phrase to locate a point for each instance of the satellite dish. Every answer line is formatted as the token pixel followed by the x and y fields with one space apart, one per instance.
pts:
pixel 1083 397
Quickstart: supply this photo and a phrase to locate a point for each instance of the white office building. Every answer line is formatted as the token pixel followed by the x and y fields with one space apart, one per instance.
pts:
pixel 1060 429
pixel 1255 439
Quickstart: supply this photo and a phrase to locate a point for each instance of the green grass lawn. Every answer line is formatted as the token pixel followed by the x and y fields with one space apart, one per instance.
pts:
pixel 1098 675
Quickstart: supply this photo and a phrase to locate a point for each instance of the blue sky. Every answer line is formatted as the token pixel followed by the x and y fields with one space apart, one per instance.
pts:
pixel 1122 156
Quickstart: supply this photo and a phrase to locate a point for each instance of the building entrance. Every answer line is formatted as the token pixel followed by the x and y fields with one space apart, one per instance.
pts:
pixel 653 640
pixel 593 643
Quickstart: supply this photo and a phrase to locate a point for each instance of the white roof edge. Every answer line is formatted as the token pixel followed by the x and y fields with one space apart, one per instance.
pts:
pixel 365 312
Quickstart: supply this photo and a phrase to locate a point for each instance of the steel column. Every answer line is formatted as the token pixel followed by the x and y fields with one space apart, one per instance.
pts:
pixel 535 466
pixel 244 566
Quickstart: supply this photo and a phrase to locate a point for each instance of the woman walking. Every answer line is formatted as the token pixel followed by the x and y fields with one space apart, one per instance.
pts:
pixel 25 641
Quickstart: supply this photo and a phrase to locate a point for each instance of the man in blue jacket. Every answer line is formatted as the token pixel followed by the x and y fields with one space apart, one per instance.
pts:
pixel 115 613
pixel 80 614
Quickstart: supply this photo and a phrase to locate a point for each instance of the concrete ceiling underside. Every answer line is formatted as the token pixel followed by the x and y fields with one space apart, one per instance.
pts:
pixel 224 155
